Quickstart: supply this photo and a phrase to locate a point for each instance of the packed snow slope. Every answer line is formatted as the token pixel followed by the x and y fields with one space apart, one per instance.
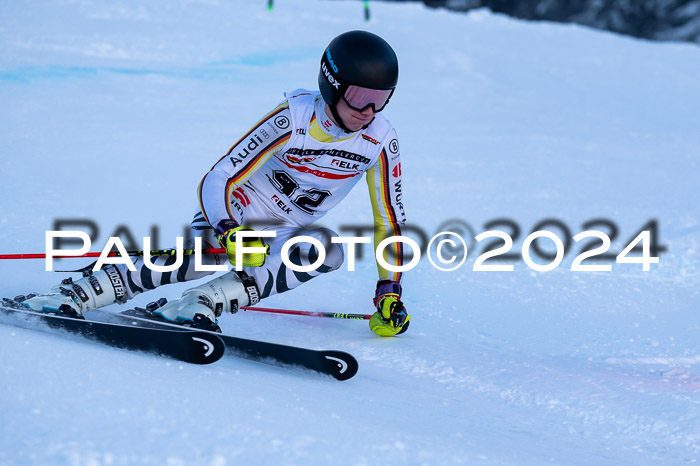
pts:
pixel 113 111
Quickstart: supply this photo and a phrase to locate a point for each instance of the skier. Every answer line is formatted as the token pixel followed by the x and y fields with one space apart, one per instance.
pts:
pixel 294 165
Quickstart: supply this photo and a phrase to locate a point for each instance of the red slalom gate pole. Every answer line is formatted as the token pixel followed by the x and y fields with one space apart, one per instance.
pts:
pixel 157 252
pixel 330 315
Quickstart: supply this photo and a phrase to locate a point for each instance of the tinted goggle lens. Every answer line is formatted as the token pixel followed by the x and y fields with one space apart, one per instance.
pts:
pixel 359 98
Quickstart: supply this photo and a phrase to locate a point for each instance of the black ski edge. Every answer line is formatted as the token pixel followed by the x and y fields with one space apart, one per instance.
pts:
pixel 196 348
pixel 338 364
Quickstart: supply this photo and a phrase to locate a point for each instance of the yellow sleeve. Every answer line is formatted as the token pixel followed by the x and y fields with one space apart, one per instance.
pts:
pixel 385 192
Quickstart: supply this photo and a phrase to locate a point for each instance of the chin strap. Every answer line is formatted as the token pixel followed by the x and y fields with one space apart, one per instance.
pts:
pixel 339 121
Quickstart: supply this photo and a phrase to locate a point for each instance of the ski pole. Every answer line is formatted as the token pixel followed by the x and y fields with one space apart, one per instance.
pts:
pixel 157 252
pixel 331 315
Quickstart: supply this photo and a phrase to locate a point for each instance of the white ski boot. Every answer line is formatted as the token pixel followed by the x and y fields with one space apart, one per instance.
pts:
pixel 75 298
pixel 200 306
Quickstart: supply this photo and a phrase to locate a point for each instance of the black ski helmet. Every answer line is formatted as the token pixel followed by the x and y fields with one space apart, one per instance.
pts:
pixel 360 58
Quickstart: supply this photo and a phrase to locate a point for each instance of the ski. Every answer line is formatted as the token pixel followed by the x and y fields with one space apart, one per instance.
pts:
pixel 196 347
pixel 338 364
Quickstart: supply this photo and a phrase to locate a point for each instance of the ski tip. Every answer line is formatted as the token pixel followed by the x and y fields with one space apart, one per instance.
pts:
pixel 341 365
pixel 204 347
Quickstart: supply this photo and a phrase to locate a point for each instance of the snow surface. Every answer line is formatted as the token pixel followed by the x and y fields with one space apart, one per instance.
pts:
pixel 112 111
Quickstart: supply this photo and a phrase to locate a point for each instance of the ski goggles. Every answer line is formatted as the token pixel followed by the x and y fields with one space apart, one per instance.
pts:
pixel 359 98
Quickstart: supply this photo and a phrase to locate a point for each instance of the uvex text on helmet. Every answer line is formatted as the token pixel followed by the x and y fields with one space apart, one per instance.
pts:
pixel 360 58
